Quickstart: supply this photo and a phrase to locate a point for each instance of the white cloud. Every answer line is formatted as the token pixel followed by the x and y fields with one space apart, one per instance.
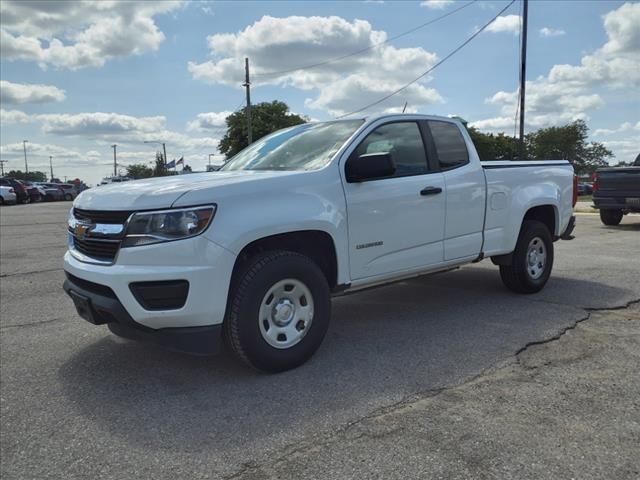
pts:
pixel 79 34
pixel 14 93
pixel 624 150
pixel 12 117
pixel 551 32
pixel 617 62
pixel 99 124
pixel 566 93
pixel 623 128
pixel 436 4
pixel 209 121
pixel 277 44
pixel 505 23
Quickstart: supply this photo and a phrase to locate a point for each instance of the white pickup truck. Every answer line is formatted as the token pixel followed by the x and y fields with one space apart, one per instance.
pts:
pixel 253 253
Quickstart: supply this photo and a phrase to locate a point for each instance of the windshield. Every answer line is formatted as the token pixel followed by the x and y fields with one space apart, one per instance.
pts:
pixel 304 147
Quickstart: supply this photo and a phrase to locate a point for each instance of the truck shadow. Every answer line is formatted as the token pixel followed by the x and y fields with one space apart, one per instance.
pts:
pixel 383 345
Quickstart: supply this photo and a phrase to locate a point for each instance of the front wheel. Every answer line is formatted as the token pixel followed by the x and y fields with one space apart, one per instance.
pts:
pixel 531 261
pixel 279 311
pixel 68 197
pixel 610 217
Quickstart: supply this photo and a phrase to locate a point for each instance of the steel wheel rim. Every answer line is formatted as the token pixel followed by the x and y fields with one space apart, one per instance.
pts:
pixel 536 259
pixel 286 313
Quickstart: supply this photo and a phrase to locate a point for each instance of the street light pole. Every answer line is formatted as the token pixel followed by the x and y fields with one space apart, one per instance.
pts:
pixel 26 166
pixel 51 166
pixel 2 162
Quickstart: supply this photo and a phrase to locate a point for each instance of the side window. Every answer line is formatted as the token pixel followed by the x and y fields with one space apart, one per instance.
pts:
pixel 452 151
pixel 403 141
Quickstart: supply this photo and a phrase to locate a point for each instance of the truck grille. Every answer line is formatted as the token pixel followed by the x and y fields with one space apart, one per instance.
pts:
pixel 99 247
pixel 102 216
pixel 105 250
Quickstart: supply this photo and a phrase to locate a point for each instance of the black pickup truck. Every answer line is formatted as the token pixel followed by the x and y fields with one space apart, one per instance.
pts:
pixel 616 192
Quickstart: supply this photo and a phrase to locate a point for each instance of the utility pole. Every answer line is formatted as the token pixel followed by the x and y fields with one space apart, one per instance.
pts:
pixel 51 166
pixel 2 162
pixel 247 86
pixel 26 166
pixel 115 164
pixel 523 73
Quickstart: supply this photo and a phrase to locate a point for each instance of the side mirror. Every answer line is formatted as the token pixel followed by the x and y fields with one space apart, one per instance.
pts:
pixel 369 166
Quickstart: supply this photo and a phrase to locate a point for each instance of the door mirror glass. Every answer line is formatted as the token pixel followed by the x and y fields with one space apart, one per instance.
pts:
pixel 370 166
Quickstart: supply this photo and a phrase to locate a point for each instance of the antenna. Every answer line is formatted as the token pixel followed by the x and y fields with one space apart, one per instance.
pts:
pixel 405 107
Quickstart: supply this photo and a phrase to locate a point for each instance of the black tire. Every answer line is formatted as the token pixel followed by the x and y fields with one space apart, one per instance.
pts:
pixel 518 276
pixel 68 197
pixel 610 217
pixel 242 328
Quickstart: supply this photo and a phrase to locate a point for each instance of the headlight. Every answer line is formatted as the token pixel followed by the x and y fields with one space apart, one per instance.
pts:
pixel 145 228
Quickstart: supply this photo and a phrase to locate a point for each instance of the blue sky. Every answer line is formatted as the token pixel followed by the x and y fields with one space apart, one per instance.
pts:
pixel 80 76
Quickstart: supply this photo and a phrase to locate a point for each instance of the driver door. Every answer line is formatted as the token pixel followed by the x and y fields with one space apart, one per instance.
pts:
pixel 396 224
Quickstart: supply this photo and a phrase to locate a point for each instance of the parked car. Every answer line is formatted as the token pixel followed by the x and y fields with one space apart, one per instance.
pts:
pixel 7 195
pixel 70 191
pixel 255 251
pixel 585 188
pixel 34 192
pixel 19 189
pixel 50 192
pixel 616 192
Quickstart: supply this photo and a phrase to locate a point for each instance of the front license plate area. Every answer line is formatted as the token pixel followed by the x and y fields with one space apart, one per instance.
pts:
pixel 83 306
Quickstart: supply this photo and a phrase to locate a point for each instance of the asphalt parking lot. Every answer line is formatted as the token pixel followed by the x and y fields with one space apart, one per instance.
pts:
pixel 393 392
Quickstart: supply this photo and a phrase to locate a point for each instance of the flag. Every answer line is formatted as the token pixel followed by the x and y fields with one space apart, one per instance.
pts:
pixel 171 164
pixel 181 161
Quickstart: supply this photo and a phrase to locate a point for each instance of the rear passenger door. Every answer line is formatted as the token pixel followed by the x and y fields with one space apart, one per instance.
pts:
pixel 465 189
pixel 395 223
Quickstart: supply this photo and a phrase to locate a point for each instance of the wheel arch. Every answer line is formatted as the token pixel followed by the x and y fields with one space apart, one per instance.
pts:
pixel 318 245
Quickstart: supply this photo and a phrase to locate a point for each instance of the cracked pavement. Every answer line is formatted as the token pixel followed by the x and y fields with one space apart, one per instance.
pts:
pixel 448 376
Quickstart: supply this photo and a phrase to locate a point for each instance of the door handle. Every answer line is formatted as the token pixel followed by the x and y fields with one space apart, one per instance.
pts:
pixel 430 191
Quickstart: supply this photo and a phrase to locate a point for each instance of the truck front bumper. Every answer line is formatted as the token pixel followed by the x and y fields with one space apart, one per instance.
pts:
pixel 98 304
pixel 171 293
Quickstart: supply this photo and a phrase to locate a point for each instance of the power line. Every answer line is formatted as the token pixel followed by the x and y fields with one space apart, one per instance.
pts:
pixel 366 49
pixel 449 55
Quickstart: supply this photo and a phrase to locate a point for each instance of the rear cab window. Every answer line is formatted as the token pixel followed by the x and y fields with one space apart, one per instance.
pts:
pixel 449 143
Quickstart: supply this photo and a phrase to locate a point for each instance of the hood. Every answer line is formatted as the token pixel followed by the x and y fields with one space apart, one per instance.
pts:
pixel 163 192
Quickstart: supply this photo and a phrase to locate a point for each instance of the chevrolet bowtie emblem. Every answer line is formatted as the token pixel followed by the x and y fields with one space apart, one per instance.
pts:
pixel 81 229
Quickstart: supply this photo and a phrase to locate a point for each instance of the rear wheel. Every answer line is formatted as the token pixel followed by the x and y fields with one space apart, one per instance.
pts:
pixel 531 261
pixel 68 197
pixel 279 311
pixel 610 217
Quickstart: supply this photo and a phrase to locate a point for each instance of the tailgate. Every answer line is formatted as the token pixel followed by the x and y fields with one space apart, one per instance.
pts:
pixel 618 182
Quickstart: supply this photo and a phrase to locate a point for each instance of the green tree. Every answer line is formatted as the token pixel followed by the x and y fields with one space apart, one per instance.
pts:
pixel 568 142
pixel 266 117
pixel 33 176
pixel 187 168
pixel 159 169
pixel 493 147
pixel 139 170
